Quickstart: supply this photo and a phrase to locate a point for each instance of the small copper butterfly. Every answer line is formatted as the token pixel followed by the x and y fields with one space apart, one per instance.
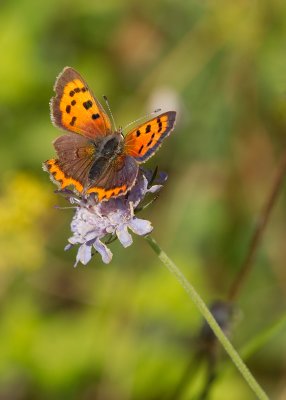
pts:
pixel 92 157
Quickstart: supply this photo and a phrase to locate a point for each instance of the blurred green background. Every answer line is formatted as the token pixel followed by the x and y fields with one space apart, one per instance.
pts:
pixel 127 330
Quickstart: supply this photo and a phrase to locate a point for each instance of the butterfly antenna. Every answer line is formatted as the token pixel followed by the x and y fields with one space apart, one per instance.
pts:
pixel 109 109
pixel 143 117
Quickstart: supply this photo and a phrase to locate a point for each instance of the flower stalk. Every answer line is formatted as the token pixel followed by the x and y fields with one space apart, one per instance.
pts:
pixel 199 303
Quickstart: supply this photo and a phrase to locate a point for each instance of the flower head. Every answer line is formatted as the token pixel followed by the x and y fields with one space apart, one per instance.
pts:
pixel 96 224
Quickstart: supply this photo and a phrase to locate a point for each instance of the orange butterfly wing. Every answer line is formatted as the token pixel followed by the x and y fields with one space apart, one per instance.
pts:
pixel 75 109
pixel 142 142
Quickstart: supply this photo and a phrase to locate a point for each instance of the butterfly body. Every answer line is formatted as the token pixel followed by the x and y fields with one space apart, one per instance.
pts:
pixel 91 157
pixel 107 151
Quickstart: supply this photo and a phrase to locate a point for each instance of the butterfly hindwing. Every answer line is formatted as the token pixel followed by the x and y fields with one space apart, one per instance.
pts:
pixel 117 180
pixel 142 142
pixel 75 109
pixel 76 156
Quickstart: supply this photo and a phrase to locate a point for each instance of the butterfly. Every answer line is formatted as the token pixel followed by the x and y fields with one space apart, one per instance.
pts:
pixel 92 157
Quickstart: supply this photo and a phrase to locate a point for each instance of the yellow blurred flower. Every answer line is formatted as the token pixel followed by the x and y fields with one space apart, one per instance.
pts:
pixel 23 204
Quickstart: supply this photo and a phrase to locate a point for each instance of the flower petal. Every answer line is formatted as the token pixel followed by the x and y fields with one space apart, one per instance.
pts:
pixel 83 254
pixel 138 191
pixel 123 235
pixel 103 250
pixel 154 188
pixel 163 176
pixel 140 226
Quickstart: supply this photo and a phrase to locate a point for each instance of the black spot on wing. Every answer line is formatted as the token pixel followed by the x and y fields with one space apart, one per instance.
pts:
pixel 148 128
pixel 141 148
pixel 95 116
pixel 73 121
pixel 68 108
pixel 87 104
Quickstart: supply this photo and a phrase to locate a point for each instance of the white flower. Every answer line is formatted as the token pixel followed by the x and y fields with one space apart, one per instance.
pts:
pixel 93 222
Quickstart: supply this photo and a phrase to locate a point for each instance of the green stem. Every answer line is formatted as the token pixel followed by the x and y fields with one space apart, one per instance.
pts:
pixel 198 301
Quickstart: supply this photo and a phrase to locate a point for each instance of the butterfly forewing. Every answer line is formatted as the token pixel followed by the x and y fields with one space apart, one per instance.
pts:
pixel 75 109
pixel 143 141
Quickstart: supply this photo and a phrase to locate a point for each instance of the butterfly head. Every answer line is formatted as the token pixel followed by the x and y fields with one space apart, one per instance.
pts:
pixel 111 146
